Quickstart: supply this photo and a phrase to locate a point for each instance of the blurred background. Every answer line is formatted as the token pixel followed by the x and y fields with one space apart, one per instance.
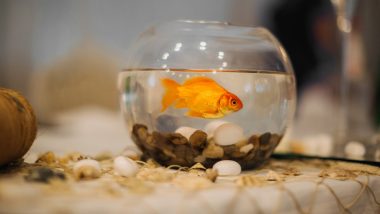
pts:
pixel 64 56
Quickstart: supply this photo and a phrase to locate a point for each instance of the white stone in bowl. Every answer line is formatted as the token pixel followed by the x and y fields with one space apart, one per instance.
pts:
pixel 185 131
pixel 227 167
pixel 212 126
pixel 125 166
pixel 228 134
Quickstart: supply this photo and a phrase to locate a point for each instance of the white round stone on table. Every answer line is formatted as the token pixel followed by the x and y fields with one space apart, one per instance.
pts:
pixel 212 126
pixel 227 167
pixel 125 166
pixel 354 149
pixel 185 131
pixel 87 169
pixel 87 163
pixel 228 134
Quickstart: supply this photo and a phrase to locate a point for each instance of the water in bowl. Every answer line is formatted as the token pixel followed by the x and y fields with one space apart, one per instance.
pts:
pixel 268 104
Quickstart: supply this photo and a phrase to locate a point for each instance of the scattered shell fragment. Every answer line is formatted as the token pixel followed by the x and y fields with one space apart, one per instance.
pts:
pixel 354 149
pixel 87 169
pixel 249 180
pixel 47 157
pixel 291 171
pixel 125 166
pixel 212 126
pixel 358 168
pixel 273 176
pixel 211 174
pixel 198 166
pixel 151 163
pixel 155 174
pixel 191 182
pixel 228 134
pixel 44 175
pixel 227 167
pixel 76 156
pixel 135 185
pixel 338 174
pixel 185 131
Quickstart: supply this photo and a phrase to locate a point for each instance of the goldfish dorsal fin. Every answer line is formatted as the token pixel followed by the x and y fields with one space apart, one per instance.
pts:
pixel 198 80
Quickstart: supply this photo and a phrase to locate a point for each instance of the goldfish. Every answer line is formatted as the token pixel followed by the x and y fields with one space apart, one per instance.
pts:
pixel 202 96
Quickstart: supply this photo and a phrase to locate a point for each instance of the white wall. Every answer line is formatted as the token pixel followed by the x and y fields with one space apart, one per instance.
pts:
pixel 36 33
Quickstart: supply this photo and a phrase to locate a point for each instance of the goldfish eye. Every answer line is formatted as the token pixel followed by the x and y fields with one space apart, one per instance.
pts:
pixel 233 102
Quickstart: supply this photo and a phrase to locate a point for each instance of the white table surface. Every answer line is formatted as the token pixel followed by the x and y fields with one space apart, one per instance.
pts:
pixel 92 132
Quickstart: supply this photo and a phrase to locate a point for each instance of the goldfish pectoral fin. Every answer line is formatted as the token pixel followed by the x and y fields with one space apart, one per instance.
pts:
pixel 165 104
pixel 213 115
pixel 181 104
pixel 194 114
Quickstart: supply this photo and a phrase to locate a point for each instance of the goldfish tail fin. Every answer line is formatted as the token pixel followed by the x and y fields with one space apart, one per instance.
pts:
pixel 171 93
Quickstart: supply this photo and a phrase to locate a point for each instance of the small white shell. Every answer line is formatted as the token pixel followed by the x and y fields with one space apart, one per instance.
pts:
pixel 212 126
pixel 227 167
pixel 228 134
pixel 125 166
pixel 354 149
pixel 185 131
pixel 87 169
pixel 273 176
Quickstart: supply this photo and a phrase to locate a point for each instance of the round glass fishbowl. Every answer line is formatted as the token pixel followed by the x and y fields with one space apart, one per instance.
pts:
pixel 201 92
